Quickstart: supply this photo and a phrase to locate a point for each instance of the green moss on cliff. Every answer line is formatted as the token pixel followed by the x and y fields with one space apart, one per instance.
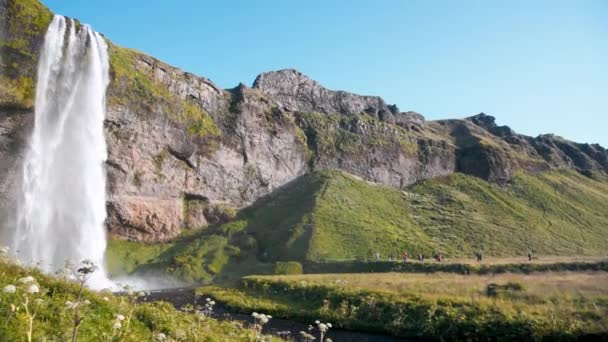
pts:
pixel 330 135
pixel 134 86
pixel 24 23
pixel 199 123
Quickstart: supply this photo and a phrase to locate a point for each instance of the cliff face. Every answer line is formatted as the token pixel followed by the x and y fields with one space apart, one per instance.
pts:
pixel 184 153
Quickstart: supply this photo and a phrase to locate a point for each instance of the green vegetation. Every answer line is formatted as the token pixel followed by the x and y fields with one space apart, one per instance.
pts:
pixel 53 317
pixel 328 215
pixel 125 257
pixel 334 222
pixel 329 135
pixel 553 213
pixel 135 86
pixel 24 23
pixel 287 267
pixel 446 306
pixel 198 257
pixel 460 266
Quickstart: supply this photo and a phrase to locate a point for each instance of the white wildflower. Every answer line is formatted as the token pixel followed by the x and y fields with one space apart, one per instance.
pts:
pixel 39 301
pixel 10 289
pixel 69 304
pixel 212 303
pixel 117 325
pixel 120 317
pixel 86 302
pixel 27 280
pixel 207 300
pixel 106 299
pixel 161 337
pixel 181 334
pixel 33 289
pixel 317 322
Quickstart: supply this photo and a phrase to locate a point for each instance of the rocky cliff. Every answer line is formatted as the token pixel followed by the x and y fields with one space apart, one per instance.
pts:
pixel 184 153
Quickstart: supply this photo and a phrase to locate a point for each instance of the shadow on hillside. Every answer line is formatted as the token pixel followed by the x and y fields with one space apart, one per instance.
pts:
pixel 276 227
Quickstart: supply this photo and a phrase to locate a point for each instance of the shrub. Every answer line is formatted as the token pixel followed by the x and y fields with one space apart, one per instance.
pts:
pixel 287 267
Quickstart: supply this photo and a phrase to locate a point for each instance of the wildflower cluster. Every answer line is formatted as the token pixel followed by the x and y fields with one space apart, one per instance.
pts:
pixel 323 329
pixel 25 296
pixel 208 310
pixel 259 320
pixel 120 327
pixel 4 252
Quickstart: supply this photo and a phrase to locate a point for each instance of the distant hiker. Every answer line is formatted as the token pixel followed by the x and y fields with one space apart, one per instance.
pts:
pixel 529 256
pixel 377 256
pixel 480 256
pixel 405 256
pixel 420 257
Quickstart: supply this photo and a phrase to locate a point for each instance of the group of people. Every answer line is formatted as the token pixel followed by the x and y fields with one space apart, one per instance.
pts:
pixel 405 256
pixel 479 256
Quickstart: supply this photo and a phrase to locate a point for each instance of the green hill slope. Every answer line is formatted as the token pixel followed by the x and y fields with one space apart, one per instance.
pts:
pixel 332 215
pixel 559 212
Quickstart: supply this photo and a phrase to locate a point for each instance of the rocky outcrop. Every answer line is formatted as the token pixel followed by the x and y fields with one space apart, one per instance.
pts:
pixel 296 92
pixel 155 161
pixel 184 154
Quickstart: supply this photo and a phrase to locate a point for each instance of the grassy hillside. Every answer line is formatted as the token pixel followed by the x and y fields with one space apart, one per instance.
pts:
pixel 331 215
pixel 48 305
pixel 559 212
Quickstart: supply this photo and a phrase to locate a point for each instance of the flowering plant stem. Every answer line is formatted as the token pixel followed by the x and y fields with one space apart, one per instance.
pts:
pixel 77 319
pixel 30 317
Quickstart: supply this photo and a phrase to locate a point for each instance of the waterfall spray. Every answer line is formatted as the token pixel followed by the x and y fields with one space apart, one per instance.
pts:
pixel 62 210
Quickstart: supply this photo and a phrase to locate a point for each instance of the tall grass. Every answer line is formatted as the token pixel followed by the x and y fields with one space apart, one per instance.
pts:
pixel 446 306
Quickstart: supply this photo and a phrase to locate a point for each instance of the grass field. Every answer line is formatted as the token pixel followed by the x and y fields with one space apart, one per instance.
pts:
pixel 554 305
pixel 537 285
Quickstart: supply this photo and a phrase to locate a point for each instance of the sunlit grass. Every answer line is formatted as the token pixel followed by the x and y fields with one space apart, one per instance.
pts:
pixel 438 305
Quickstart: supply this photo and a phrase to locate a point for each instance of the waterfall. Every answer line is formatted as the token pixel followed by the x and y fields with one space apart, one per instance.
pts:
pixel 62 210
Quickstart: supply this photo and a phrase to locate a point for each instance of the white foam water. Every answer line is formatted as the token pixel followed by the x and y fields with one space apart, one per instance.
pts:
pixel 62 210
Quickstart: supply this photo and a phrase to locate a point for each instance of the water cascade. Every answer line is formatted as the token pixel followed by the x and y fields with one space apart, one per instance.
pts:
pixel 62 210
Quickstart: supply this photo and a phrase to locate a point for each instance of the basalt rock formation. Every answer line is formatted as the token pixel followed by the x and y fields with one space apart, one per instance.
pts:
pixel 184 153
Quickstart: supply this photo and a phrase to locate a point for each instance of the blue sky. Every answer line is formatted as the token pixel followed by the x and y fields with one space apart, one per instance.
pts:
pixel 538 66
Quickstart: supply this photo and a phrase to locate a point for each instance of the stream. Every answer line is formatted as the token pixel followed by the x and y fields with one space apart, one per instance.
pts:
pixel 276 326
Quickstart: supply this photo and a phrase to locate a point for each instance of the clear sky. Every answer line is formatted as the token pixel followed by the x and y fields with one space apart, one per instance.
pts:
pixel 538 66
